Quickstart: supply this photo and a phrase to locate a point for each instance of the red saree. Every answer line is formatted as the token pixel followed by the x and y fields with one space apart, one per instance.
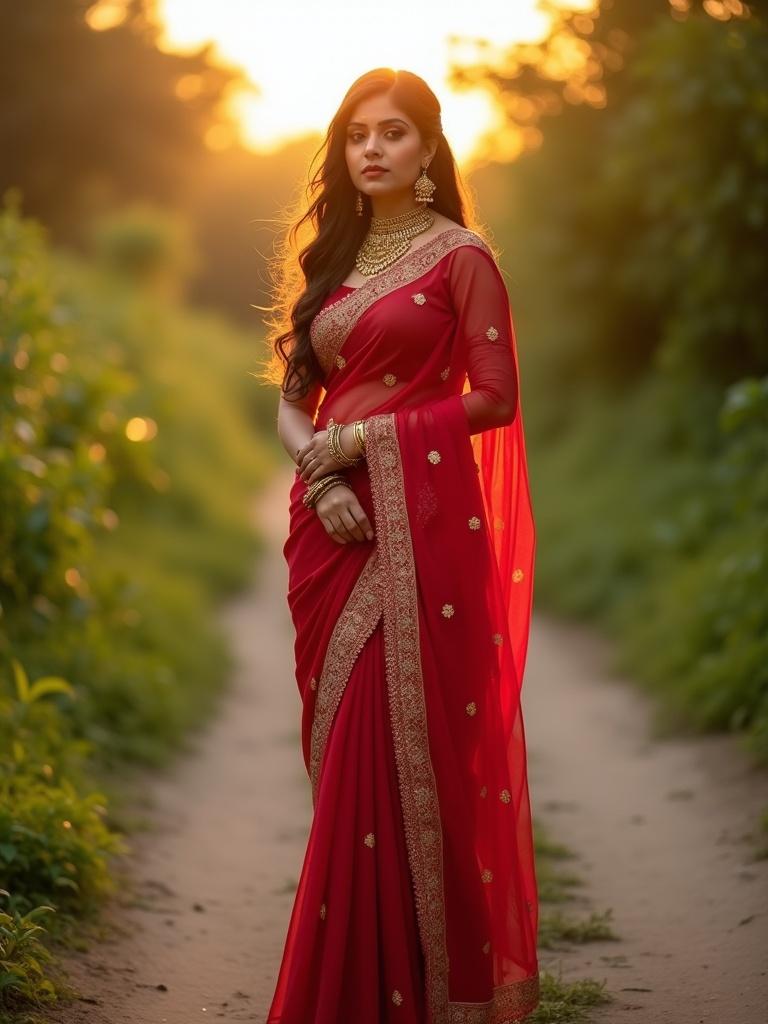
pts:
pixel 417 900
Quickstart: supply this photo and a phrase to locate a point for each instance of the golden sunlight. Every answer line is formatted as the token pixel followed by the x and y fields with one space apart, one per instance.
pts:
pixel 301 56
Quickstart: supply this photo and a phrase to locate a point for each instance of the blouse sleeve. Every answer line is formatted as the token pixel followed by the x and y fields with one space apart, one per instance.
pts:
pixel 485 336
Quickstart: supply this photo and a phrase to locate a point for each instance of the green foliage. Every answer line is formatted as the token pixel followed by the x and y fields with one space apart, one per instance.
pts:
pixel 54 842
pixel 126 468
pixel 564 1002
pixel 689 154
pixel 668 549
pixel 142 244
pixel 567 1002
pixel 25 963
pixel 646 378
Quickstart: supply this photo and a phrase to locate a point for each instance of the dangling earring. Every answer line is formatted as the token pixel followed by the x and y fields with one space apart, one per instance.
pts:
pixel 424 187
pixel 359 204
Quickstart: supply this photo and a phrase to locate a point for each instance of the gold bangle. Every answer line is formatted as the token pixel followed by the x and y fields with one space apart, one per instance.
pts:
pixel 329 487
pixel 315 490
pixel 334 446
pixel 358 429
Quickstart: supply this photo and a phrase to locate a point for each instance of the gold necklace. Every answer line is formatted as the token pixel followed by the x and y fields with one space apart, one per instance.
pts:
pixel 389 237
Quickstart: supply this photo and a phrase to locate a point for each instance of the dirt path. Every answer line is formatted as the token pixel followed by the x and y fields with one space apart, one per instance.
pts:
pixel 663 829
pixel 661 826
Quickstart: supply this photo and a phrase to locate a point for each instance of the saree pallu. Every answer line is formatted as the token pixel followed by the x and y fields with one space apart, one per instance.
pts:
pixel 417 900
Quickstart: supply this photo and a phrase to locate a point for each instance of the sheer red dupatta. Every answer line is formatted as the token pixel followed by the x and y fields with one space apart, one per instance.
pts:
pixel 450 577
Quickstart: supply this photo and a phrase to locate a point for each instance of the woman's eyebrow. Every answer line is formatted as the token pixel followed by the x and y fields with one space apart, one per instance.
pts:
pixel 387 120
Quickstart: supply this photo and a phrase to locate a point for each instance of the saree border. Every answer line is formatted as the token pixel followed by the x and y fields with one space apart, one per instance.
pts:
pixel 359 617
pixel 511 1003
pixel 418 786
pixel 332 325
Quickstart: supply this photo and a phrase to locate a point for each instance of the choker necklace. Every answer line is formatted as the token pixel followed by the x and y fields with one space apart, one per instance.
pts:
pixel 389 237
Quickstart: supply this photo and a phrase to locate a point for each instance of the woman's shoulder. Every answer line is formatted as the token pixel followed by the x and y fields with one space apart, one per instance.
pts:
pixel 468 248
pixel 462 237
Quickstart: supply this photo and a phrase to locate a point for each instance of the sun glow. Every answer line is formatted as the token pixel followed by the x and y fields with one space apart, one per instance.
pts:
pixel 301 56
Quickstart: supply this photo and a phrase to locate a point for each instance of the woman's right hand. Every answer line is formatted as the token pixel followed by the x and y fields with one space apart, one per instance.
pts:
pixel 342 515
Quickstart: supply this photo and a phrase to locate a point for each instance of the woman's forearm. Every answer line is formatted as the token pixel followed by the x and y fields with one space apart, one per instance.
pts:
pixel 295 427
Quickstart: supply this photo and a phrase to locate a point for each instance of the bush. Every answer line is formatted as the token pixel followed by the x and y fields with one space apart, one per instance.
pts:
pixel 127 464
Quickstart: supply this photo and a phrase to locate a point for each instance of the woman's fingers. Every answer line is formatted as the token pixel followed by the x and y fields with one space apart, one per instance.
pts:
pixel 351 524
pixel 340 528
pixel 361 518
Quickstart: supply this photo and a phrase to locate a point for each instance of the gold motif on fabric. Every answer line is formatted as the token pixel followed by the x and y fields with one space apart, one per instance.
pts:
pixel 484 792
pixel 511 1003
pixel 434 457
pixel 355 624
pixel 313 683
pixel 444 373
pixel 498 639
pixel 370 840
pixel 405 687
pixel 487 948
pixel 322 911
pixel 505 796
pixel 419 298
pixel 389 379
pixel 341 362
pixel 426 504
pixel 487 875
pixel 471 708
pixel 492 333
pixel 397 998
pixel 447 610
pixel 332 325
pixel 474 523
pixel 517 575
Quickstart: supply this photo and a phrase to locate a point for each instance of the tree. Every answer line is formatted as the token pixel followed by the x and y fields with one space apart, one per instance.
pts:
pixel 89 118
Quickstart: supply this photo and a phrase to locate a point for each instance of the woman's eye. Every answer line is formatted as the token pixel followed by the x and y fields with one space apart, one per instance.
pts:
pixel 393 133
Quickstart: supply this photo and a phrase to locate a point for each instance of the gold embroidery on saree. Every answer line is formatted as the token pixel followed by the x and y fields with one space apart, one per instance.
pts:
pixel 332 325
pixel 356 622
pixel 510 1003
pixel 418 790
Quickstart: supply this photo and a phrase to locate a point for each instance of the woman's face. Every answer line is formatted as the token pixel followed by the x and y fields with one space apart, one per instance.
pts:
pixel 379 133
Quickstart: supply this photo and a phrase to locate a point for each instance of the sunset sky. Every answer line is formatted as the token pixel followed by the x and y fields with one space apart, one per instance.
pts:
pixel 302 55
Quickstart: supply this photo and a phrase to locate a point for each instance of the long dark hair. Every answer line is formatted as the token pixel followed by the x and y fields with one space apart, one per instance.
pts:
pixel 331 233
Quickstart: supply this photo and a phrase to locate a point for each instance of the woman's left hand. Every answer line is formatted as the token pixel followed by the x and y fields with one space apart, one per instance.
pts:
pixel 314 460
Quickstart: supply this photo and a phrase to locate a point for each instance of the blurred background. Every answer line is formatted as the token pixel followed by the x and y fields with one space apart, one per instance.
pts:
pixel 618 153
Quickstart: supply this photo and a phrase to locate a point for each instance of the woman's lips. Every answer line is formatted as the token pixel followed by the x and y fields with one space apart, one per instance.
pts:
pixel 374 172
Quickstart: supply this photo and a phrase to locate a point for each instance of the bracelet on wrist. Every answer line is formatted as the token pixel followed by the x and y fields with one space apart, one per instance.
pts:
pixel 358 432
pixel 334 446
pixel 319 487
pixel 329 487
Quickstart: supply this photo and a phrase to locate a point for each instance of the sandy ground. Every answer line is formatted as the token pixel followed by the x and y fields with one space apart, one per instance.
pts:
pixel 661 828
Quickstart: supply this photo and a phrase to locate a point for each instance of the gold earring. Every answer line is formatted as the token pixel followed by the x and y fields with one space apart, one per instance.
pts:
pixel 359 204
pixel 424 187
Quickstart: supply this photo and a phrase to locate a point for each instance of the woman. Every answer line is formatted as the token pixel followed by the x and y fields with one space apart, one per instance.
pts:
pixel 410 587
